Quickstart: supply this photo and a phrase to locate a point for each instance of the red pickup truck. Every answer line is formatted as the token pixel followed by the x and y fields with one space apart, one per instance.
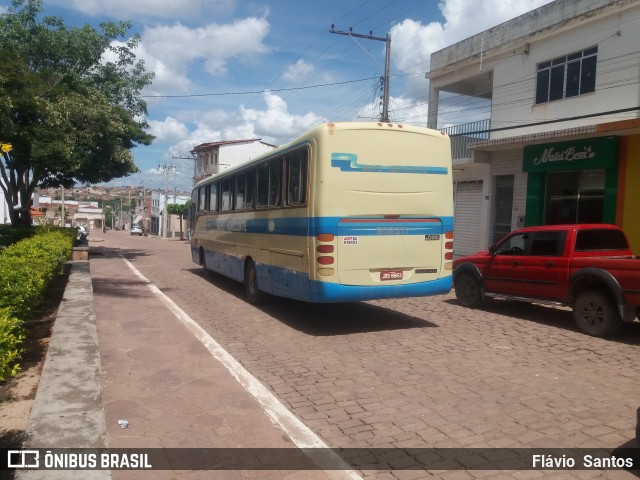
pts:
pixel 589 267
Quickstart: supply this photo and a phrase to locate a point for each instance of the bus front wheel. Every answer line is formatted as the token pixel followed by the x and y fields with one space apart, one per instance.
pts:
pixel 254 295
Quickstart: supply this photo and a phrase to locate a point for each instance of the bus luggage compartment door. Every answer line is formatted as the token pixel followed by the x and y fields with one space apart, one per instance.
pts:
pixel 381 251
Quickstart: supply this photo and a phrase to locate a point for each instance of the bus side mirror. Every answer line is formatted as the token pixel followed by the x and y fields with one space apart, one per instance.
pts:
pixel 493 250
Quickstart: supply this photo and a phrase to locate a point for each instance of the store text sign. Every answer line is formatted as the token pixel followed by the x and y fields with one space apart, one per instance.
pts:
pixel 601 152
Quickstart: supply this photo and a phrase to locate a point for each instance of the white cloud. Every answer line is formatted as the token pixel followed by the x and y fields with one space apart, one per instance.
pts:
pixel 298 72
pixel 276 122
pixel 413 42
pixel 168 130
pixel 170 50
pixel 273 124
pixel 149 8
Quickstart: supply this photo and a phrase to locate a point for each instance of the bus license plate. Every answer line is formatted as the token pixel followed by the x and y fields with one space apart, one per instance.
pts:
pixel 391 275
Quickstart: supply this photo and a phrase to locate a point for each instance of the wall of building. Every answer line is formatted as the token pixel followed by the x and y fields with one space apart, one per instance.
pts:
pixel 617 37
pixel 629 193
pixel 231 155
pixel 508 162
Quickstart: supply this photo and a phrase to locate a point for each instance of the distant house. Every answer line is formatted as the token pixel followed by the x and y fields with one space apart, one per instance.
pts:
pixel 213 157
pixel 162 226
pixel 89 215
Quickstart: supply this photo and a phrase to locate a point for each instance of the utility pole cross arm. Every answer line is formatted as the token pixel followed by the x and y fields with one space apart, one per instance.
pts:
pixel 387 65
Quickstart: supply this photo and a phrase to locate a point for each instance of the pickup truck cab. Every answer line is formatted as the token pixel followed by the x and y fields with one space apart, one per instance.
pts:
pixel 588 266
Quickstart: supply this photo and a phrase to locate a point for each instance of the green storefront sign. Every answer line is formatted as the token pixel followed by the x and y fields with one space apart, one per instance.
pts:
pixel 599 153
pixel 593 153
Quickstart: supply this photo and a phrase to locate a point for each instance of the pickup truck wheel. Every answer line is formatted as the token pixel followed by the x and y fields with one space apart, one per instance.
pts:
pixel 595 314
pixel 468 290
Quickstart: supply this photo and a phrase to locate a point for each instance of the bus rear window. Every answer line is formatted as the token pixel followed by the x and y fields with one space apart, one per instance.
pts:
pixel 603 239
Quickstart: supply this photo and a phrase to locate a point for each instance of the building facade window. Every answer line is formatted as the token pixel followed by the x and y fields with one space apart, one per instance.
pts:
pixel 574 197
pixel 567 76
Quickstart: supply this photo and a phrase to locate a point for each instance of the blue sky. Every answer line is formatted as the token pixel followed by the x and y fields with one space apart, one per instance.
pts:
pixel 270 69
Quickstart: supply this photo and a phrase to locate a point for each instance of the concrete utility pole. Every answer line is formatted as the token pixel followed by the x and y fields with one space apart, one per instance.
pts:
pixel 387 63
pixel 166 170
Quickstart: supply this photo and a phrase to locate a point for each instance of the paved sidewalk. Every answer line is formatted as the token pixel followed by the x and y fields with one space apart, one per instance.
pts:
pixel 118 353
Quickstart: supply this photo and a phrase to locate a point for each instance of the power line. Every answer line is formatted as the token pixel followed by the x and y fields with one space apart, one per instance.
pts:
pixel 259 91
pixel 557 120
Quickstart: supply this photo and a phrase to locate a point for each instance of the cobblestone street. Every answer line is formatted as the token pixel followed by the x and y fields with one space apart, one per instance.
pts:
pixel 417 372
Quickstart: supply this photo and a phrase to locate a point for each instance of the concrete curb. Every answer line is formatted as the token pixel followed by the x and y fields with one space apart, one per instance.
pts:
pixel 68 410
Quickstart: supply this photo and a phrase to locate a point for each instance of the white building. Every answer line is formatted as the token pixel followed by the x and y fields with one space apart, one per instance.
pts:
pixel 4 211
pixel 169 225
pixel 89 215
pixel 561 143
pixel 213 157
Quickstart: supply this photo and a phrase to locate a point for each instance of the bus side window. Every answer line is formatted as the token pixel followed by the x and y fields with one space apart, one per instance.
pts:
pixel 213 197
pixel 250 192
pixel 297 177
pixel 269 183
pixel 202 199
pixel 245 188
pixel 241 191
pixel 194 200
pixel 275 182
pixel 226 201
pixel 263 185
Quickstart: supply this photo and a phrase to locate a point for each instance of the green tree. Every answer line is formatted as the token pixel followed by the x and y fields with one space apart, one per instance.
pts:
pixel 70 104
pixel 177 209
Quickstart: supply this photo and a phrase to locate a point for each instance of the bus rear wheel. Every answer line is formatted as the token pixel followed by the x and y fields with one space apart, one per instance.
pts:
pixel 203 263
pixel 254 295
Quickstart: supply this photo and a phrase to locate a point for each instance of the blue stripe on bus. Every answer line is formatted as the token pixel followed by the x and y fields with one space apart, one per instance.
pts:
pixel 296 285
pixel 304 226
pixel 335 292
pixel 348 162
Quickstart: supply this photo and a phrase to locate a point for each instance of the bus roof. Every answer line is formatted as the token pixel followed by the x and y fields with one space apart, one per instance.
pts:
pixel 318 131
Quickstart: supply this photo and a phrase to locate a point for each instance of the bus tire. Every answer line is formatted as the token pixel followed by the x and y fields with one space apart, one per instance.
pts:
pixel 595 314
pixel 203 263
pixel 254 295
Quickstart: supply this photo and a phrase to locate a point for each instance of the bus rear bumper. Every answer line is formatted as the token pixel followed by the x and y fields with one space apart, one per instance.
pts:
pixel 324 292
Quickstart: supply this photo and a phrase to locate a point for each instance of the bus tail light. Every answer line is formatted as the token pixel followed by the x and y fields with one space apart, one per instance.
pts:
pixel 325 260
pixel 448 251
pixel 324 253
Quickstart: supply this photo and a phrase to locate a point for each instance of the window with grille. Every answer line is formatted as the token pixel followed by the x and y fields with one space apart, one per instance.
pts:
pixel 568 76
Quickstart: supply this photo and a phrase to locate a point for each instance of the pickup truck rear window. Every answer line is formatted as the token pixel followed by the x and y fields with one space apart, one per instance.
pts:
pixel 592 240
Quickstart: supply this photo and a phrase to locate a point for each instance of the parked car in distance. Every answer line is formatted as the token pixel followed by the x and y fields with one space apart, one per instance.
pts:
pixel 589 267
pixel 136 230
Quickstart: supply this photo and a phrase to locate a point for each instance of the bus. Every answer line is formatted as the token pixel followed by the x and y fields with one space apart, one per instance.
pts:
pixel 346 212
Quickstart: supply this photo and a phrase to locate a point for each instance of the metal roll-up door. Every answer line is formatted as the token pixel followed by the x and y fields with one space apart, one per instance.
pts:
pixel 468 211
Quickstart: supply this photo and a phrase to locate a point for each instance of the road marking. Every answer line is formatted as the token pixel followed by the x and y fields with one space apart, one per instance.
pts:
pixel 301 436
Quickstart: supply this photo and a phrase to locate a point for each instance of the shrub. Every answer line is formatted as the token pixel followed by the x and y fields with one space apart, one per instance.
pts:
pixel 11 336
pixel 26 269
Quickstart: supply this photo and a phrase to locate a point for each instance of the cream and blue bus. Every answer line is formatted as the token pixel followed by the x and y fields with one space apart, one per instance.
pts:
pixel 346 212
